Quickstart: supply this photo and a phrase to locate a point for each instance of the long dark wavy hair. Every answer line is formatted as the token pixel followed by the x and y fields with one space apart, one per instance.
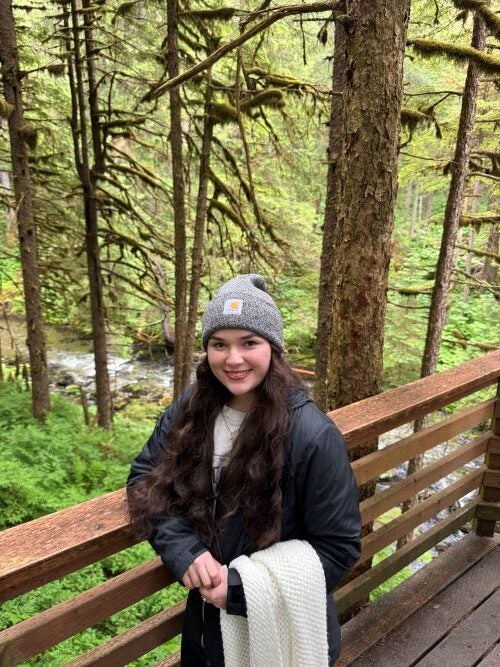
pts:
pixel 181 483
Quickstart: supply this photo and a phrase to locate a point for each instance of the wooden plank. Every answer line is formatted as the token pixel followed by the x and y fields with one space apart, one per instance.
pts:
pixel 372 465
pixel 365 420
pixel 358 588
pixel 493 461
pixel 494 444
pixel 173 660
pixel 470 640
pixel 492 479
pixel 489 511
pixel 376 505
pixel 45 549
pixel 490 494
pixel 137 641
pixel 492 659
pixel 64 620
pixel 371 624
pixel 390 532
pixel 430 623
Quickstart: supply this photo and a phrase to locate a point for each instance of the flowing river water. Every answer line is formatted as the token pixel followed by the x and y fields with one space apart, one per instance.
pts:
pixel 71 362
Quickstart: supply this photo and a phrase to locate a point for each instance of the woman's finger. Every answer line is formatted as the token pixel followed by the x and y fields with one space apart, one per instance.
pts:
pixel 204 575
pixel 213 571
pixel 195 578
pixel 186 580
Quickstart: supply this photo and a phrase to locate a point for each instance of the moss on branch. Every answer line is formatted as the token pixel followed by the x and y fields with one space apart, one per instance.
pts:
pixel 429 48
pixel 482 8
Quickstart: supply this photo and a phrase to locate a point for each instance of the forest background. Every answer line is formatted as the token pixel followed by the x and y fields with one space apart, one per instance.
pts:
pixel 145 198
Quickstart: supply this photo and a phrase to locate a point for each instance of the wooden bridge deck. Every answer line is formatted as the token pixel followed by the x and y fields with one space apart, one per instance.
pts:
pixel 446 614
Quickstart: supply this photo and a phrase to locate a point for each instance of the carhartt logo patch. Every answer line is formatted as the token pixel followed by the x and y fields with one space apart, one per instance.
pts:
pixel 233 307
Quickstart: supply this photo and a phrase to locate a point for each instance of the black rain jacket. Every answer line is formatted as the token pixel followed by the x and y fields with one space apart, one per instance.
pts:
pixel 320 505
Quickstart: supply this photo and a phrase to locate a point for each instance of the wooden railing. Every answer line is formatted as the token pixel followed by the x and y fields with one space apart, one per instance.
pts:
pixel 48 548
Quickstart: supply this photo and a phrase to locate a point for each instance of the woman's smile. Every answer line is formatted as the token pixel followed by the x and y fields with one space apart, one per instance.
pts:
pixel 237 375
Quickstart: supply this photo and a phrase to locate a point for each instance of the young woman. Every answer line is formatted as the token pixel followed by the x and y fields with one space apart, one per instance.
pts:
pixel 242 460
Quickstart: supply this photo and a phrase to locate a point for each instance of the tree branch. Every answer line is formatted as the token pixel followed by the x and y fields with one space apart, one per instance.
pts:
pixel 279 13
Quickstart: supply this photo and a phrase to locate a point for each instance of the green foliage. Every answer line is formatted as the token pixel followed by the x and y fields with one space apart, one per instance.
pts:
pixel 48 467
pixel 413 265
pixel 139 412
pixel 60 463
pixel 65 588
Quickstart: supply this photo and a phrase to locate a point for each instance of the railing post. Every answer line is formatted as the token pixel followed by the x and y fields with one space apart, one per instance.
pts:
pixel 488 511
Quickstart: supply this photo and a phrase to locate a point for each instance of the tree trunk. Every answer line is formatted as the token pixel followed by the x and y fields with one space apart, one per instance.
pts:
pixel 414 214
pixel 427 210
pixel 361 193
pixel 10 216
pixel 468 262
pixel 470 241
pixel 161 280
pixel 25 223
pixel 178 199
pixel 360 200
pixel 88 177
pixel 407 204
pixel 490 269
pixel 442 284
pixel 439 300
pixel 199 229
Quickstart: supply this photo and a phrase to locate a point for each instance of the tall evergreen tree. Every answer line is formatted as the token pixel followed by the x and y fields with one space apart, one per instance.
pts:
pixel 178 198
pixel 90 165
pixel 459 170
pixel 361 191
pixel 20 135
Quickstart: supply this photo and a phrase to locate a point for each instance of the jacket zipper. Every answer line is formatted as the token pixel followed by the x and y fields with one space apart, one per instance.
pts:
pixel 202 638
pixel 203 603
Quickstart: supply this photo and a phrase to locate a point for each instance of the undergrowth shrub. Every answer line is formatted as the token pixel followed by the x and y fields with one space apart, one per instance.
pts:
pixel 47 467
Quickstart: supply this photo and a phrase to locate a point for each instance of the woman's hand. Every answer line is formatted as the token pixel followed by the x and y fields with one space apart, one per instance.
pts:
pixel 217 595
pixel 204 572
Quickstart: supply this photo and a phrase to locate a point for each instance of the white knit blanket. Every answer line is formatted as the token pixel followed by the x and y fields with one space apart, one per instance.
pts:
pixel 285 594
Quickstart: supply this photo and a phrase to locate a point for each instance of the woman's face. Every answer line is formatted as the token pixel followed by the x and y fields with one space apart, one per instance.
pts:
pixel 240 360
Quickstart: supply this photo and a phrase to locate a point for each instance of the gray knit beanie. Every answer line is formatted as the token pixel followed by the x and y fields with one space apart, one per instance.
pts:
pixel 243 303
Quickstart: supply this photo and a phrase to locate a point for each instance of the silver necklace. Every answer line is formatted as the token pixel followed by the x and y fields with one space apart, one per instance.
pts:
pixel 231 432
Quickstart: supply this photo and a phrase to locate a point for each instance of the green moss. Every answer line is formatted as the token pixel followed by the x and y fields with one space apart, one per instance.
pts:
pixel 428 48
pixel 142 412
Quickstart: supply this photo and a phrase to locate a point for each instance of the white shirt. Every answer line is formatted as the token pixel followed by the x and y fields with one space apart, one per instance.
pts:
pixel 226 429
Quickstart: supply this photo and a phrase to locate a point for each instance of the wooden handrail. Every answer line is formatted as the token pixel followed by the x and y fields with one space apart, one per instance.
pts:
pixel 137 641
pixel 403 524
pixel 375 505
pixel 358 588
pixel 62 542
pixel 367 419
pixel 372 465
pixel 52 626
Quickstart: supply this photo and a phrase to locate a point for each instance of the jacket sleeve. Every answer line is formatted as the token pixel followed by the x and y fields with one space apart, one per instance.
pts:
pixel 171 538
pixel 329 503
